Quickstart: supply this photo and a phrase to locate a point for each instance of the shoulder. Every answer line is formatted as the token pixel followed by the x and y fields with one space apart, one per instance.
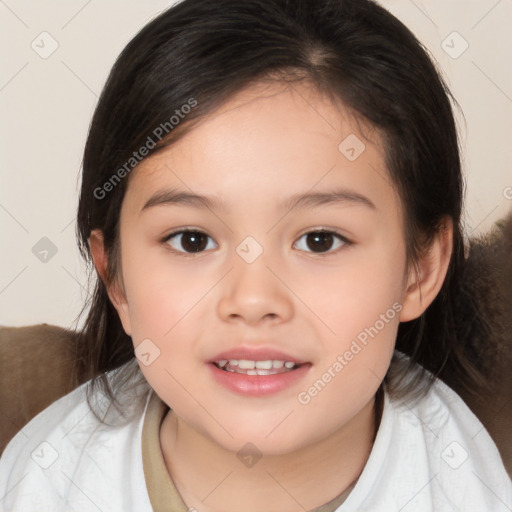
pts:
pixel 68 458
pixel 441 415
pixel 452 434
pixel 448 445
pixel 432 454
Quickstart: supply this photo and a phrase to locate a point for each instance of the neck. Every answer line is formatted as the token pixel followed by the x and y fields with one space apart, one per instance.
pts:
pixel 207 480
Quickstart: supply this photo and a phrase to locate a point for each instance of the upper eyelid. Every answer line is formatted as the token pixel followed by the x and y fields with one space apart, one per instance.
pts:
pixel 325 230
pixel 184 230
pixel 197 230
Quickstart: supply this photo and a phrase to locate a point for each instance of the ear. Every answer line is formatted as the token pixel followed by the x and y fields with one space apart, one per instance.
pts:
pixel 426 279
pixel 115 289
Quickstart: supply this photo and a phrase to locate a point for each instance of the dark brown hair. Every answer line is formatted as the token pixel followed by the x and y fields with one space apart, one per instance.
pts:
pixel 354 50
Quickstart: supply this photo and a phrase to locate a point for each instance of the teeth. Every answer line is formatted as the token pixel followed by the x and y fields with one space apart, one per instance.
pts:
pixel 255 367
pixel 246 364
pixel 263 365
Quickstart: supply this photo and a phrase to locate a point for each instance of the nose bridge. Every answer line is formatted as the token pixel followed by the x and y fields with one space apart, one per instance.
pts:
pixel 254 292
pixel 250 264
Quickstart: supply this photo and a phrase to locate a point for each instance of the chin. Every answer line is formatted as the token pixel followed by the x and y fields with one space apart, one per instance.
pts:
pixel 261 441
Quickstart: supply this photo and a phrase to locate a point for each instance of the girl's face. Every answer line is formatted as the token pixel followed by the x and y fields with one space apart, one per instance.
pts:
pixel 257 277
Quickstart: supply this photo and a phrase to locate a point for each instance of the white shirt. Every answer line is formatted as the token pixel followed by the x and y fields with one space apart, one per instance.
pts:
pixel 432 456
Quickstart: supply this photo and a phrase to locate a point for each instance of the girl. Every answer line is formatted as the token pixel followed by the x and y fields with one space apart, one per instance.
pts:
pixel 271 197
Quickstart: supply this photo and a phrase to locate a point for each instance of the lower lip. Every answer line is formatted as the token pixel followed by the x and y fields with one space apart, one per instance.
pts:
pixel 258 385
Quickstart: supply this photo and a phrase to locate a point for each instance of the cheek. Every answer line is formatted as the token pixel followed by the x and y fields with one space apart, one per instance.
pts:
pixel 166 306
pixel 159 293
pixel 364 317
pixel 162 303
pixel 360 305
pixel 353 295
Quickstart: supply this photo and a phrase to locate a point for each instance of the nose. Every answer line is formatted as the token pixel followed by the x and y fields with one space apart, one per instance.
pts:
pixel 253 293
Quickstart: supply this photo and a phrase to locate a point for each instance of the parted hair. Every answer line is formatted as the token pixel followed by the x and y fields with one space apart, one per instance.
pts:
pixel 353 50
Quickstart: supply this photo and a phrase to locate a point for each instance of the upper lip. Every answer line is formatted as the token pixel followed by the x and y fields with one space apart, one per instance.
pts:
pixel 255 354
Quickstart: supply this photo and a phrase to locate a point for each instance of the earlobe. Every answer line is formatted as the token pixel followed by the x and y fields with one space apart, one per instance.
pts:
pixel 116 294
pixel 427 277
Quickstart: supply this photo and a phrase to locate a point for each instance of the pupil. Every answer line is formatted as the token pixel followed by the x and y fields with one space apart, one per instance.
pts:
pixel 320 240
pixel 193 241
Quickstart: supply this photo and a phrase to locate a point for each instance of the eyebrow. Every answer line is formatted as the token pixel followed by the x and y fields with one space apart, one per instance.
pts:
pixel 297 201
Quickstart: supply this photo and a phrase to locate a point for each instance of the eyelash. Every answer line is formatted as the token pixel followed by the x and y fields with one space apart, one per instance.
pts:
pixel 346 242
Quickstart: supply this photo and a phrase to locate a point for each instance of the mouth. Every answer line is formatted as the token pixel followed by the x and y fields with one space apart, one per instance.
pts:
pixel 253 367
pixel 257 371
pixel 258 377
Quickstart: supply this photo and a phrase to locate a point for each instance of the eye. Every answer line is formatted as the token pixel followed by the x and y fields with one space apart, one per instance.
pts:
pixel 322 241
pixel 191 241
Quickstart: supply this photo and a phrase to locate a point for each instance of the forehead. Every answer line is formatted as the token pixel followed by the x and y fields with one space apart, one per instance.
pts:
pixel 269 138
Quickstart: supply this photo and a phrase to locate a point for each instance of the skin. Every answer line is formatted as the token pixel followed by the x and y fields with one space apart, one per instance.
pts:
pixel 266 144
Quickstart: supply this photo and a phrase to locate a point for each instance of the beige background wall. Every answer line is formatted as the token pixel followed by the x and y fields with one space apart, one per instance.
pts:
pixel 46 102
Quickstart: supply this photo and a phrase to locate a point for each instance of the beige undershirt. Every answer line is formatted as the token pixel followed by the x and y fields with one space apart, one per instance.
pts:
pixel 163 494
